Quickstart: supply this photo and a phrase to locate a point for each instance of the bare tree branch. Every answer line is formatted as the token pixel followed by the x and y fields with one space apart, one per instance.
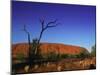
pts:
pixel 48 25
pixel 52 22
pixel 42 23
pixel 25 30
pixel 28 35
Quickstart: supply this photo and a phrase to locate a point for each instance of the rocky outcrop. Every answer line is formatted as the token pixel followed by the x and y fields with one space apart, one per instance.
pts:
pixel 47 48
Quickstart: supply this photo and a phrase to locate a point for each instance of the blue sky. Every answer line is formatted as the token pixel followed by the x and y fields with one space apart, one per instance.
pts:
pixel 77 22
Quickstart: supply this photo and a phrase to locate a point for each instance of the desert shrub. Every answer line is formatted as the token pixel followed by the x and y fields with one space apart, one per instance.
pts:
pixel 51 55
pixel 93 52
pixel 83 54
pixel 65 56
pixel 20 56
pixel 35 51
pixel 78 55
pixel 45 56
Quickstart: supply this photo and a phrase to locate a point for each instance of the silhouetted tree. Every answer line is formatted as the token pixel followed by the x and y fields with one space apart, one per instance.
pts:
pixel 44 27
pixel 28 34
pixel 34 47
pixel 93 52
pixel 29 42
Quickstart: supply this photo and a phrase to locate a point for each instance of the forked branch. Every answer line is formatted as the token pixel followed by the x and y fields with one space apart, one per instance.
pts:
pixel 28 34
pixel 45 26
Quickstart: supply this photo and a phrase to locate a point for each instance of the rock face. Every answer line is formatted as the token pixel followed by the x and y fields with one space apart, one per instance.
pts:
pixel 47 48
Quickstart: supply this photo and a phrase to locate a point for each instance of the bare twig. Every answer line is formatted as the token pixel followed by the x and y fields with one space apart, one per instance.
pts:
pixel 48 25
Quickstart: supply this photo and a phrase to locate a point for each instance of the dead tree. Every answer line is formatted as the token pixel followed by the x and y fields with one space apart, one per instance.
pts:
pixel 28 34
pixel 29 41
pixel 50 24
pixel 44 27
pixel 34 52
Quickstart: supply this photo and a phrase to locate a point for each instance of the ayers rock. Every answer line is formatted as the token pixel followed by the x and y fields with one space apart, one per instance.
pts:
pixel 47 48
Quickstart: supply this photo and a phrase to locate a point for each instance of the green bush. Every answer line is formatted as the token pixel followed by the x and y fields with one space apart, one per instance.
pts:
pixel 64 56
pixel 93 52
pixel 35 51
pixel 20 56
pixel 52 56
pixel 83 54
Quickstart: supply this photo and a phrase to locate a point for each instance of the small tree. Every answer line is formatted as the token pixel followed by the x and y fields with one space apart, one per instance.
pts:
pixel 93 52
pixel 83 54
pixel 29 42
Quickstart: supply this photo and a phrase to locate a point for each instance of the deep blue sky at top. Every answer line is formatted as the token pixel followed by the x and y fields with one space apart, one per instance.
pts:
pixel 77 22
